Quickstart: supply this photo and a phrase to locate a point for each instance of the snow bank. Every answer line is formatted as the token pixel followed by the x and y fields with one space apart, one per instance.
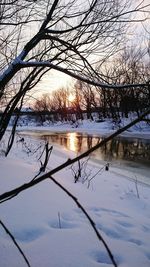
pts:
pixel 103 127
pixel 52 230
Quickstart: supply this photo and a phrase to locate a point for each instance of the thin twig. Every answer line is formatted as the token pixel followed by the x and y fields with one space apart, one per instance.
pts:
pixel 95 175
pixel 136 186
pixel 15 243
pixel 59 220
pixel 101 239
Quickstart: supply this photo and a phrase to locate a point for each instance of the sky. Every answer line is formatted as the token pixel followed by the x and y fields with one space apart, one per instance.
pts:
pixel 137 34
pixel 53 80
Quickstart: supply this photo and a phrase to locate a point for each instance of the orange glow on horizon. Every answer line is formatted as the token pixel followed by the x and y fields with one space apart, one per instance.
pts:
pixel 71 98
pixel 52 81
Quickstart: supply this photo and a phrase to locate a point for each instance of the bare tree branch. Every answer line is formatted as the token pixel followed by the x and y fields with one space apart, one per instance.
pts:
pixel 92 223
pixel 78 77
pixel 96 30
pixel 15 243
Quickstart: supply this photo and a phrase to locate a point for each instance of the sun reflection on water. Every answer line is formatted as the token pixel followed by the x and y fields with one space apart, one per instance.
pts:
pixel 72 141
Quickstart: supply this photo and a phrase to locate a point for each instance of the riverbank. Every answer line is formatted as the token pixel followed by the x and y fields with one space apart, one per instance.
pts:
pixel 107 127
pixel 126 150
pixel 51 229
pixel 117 202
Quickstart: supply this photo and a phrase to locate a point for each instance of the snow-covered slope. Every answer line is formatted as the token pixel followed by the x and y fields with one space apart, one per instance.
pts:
pixel 53 231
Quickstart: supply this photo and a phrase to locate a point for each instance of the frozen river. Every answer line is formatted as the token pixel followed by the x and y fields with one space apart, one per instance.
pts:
pixel 127 152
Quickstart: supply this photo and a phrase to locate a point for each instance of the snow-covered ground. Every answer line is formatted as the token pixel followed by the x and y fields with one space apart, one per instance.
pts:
pixel 53 231
pixel 107 126
pixel 95 126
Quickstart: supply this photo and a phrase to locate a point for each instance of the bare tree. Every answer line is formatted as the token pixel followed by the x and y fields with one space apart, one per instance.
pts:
pixel 130 66
pixel 43 103
pixel 68 35
pixel 77 103
pixel 67 40
pixel 88 98
pixel 15 17
pixel 64 40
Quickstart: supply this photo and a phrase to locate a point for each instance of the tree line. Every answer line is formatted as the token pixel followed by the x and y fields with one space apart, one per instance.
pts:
pixel 130 67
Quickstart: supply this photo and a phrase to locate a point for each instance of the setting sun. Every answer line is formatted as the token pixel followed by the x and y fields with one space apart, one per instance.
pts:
pixel 71 98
